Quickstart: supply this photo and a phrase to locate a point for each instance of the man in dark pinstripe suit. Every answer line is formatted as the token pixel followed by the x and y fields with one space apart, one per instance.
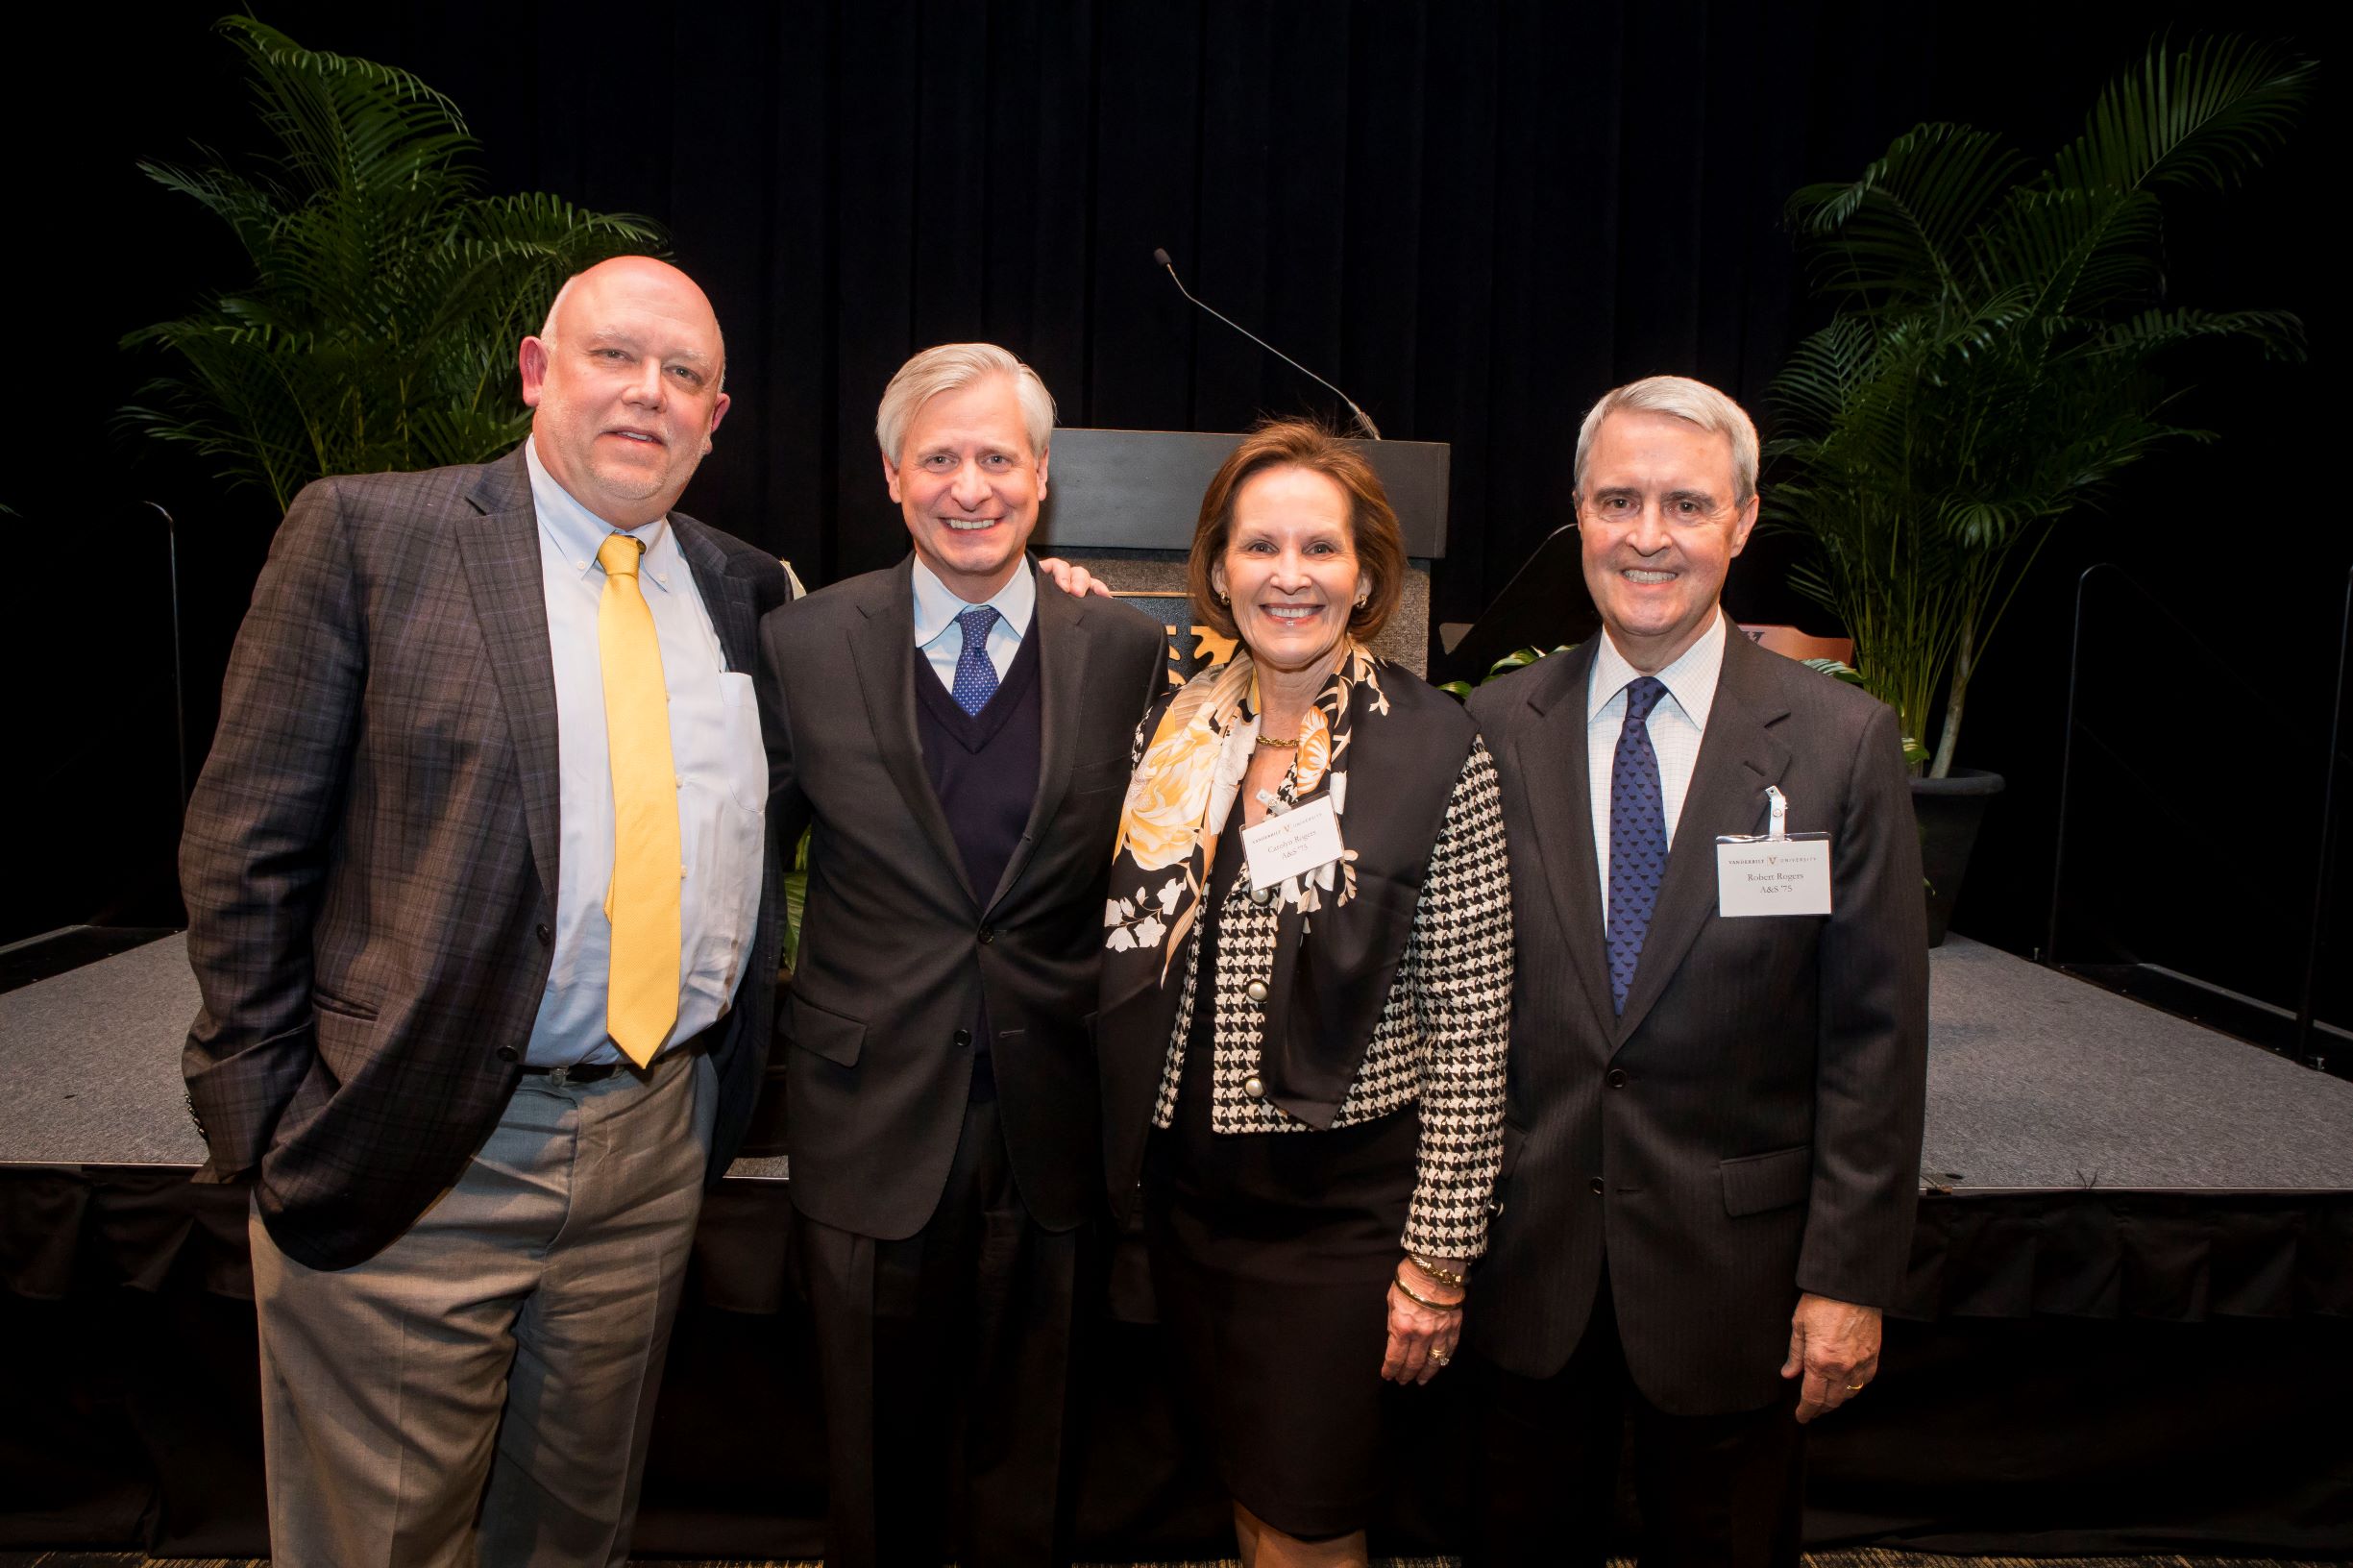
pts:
pixel 1713 1127
pixel 471 1210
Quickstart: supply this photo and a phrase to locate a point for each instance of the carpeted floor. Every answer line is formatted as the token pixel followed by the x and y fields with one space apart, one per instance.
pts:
pixel 2035 1080
pixel 1872 1557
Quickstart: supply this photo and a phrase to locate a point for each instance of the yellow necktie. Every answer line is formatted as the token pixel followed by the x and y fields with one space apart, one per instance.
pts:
pixel 642 989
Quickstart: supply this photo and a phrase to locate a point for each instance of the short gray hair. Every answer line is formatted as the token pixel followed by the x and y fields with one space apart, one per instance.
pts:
pixel 951 367
pixel 1686 398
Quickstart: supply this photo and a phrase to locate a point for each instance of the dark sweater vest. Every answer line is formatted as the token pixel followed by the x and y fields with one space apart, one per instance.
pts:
pixel 983 769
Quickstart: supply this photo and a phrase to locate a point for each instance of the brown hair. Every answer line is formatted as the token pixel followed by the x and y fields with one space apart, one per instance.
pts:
pixel 1372 523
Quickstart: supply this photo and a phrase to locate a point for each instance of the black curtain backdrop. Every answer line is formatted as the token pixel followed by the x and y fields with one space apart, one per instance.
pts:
pixel 1475 216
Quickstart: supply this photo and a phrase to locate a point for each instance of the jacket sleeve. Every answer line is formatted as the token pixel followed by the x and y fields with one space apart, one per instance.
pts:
pixel 1871 1057
pixel 254 853
pixel 789 812
pixel 1460 956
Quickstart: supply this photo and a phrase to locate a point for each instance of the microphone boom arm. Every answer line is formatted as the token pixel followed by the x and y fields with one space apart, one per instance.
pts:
pixel 1363 420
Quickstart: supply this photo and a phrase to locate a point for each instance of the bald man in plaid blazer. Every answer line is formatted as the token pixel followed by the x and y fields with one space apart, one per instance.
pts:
pixel 472 1210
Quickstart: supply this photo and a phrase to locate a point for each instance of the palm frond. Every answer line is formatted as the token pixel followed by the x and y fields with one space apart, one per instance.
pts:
pixel 2206 115
pixel 1998 356
pixel 378 328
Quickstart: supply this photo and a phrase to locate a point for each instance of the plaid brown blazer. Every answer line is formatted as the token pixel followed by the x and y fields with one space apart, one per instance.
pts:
pixel 370 855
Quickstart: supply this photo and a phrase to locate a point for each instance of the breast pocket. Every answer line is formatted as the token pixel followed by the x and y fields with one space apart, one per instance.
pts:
pixel 746 756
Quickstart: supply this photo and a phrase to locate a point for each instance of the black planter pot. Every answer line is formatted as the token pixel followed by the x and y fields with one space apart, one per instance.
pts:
pixel 1949 811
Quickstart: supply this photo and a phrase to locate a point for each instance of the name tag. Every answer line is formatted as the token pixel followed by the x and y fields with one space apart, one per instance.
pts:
pixel 1293 843
pixel 1774 876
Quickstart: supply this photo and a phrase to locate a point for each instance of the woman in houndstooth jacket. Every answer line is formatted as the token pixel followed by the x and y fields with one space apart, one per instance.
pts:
pixel 1303 1065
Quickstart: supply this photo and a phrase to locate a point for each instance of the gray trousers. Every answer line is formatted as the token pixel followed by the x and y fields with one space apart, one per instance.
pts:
pixel 482 1390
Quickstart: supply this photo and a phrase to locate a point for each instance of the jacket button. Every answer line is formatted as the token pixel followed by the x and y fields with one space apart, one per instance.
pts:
pixel 1594 1186
pixel 1262 895
pixel 964 1037
pixel 547 937
pixel 988 935
pixel 1256 991
pixel 508 1053
pixel 1255 1086
pixel 1615 1078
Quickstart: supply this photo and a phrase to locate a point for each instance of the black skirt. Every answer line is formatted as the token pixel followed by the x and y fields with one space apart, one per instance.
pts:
pixel 1272 1257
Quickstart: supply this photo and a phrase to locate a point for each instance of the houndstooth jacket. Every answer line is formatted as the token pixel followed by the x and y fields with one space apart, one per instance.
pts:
pixel 1441 1032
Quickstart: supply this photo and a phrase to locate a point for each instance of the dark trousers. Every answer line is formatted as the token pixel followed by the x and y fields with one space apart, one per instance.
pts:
pixel 1726 1491
pixel 945 1361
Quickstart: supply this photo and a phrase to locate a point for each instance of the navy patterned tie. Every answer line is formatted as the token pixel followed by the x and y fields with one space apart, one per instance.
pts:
pixel 1637 835
pixel 976 672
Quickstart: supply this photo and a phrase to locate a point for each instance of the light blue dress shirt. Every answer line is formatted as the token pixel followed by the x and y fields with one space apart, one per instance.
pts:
pixel 722 783
pixel 941 640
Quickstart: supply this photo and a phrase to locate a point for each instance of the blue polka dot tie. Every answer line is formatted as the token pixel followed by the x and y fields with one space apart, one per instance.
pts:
pixel 1637 835
pixel 976 672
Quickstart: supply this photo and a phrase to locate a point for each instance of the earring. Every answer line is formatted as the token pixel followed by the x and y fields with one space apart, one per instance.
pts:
pixel 1223 600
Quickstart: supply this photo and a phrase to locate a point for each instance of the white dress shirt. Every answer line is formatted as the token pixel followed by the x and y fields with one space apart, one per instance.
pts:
pixel 942 639
pixel 722 783
pixel 1676 726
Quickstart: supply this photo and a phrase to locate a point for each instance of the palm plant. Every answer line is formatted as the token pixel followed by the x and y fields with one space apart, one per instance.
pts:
pixel 1997 354
pixel 389 294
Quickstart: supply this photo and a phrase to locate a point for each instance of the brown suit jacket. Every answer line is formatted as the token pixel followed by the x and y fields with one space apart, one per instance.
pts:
pixel 1750 1127
pixel 370 856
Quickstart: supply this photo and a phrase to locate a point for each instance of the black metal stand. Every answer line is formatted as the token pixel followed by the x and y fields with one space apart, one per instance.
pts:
pixel 2324 887
pixel 180 695
pixel 2304 1039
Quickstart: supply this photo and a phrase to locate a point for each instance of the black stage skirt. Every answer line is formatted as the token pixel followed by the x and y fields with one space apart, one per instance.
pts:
pixel 1272 1257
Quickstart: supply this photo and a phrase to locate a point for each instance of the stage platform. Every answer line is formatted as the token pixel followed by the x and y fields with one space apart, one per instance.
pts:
pixel 2128 1324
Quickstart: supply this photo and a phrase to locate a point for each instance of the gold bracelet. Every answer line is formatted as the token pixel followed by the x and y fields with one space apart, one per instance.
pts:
pixel 1411 1295
pixel 1441 1275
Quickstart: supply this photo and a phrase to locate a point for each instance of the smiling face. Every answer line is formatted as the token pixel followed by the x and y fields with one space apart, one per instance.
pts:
pixel 1289 567
pixel 1659 528
pixel 625 388
pixel 969 485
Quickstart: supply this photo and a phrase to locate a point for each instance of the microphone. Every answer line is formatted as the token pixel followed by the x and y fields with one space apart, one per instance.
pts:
pixel 1363 420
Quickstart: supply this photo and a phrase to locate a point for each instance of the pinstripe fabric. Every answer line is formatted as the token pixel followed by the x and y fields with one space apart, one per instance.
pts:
pixel 1753 1121
pixel 370 856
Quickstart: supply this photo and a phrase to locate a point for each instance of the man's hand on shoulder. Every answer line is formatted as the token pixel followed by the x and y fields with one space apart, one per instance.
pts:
pixel 1075 581
pixel 1834 1347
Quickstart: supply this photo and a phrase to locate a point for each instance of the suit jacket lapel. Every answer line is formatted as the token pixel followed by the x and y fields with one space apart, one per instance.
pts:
pixel 1062 683
pixel 886 656
pixel 1551 755
pixel 500 554
pixel 727 596
pixel 1738 757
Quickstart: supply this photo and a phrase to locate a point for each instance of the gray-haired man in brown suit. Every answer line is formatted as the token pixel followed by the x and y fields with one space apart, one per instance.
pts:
pixel 477 904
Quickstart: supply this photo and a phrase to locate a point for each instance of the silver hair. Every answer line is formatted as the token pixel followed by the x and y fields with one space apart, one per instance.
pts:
pixel 1686 398
pixel 951 367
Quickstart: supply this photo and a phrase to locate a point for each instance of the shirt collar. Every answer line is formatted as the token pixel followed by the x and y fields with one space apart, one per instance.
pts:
pixel 936 606
pixel 578 533
pixel 1691 679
